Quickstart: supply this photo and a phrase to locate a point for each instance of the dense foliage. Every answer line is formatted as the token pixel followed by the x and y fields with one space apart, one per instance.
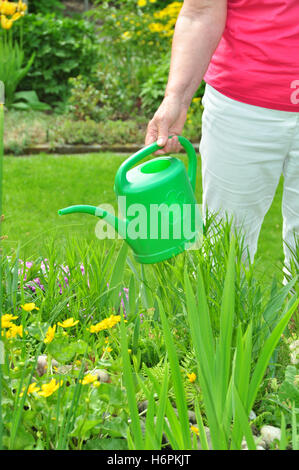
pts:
pixel 63 48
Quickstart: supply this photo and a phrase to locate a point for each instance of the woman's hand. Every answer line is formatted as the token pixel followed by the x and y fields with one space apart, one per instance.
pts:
pixel 168 120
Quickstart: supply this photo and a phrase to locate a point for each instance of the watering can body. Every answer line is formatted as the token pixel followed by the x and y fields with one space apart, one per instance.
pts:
pixel 160 216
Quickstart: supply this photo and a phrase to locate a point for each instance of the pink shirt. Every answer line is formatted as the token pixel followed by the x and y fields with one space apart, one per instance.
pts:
pixel 257 60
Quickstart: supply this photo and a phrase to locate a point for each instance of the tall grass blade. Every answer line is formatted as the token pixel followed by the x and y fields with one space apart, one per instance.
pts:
pixel 224 350
pixel 117 274
pixel 131 394
pixel 180 397
pixel 266 354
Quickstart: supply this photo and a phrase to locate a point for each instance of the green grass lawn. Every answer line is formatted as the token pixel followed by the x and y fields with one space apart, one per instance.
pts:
pixel 35 187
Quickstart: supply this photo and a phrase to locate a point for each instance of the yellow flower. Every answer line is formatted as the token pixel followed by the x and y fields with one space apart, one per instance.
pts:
pixel 88 379
pixel 195 429
pixel 33 388
pixel 8 8
pixel 14 330
pixel 6 320
pixel 141 3
pixel 107 349
pixel 22 7
pixel 105 324
pixel 68 323
pixel 29 307
pixel 126 35
pixel 50 388
pixel 16 16
pixel 156 27
pixel 192 377
pixel 5 23
pixel 50 334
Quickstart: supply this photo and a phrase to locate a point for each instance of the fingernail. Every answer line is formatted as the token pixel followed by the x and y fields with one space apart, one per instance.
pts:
pixel 160 142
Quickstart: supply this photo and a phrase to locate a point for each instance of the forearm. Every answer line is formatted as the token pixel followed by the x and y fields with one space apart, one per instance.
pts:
pixel 197 33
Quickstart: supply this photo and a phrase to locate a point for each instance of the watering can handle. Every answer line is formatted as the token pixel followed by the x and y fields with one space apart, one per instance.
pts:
pixel 148 150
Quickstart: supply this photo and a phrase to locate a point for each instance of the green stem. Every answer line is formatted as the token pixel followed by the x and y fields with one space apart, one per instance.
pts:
pixel 1 179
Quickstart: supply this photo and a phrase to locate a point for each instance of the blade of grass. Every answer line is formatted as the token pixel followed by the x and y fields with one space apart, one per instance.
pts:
pixel 117 274
pixel 180 397
pixel 242 417
pixel 295 437
pixel 283 439
pixel 129 384
pixel 202 433
pixel 224 351
pixel 266 354
pixel 173 429
pixel 202 337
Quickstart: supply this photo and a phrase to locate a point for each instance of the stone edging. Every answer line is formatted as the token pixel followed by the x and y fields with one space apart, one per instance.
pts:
pixel 81 149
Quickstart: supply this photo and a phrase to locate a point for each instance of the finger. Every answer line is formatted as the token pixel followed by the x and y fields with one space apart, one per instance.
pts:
pixel 163 131
pixel 151 135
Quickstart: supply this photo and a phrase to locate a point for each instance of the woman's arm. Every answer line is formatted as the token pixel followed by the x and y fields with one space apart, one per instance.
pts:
pixel 198 30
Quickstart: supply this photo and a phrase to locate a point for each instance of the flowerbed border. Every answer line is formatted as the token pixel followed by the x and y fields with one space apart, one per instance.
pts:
pixel 81 149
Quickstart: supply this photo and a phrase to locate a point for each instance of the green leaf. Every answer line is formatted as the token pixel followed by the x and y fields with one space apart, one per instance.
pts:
pixel 180 397
pixel 267 352
pixel 64 352
pixel 130 388
pixel 117 275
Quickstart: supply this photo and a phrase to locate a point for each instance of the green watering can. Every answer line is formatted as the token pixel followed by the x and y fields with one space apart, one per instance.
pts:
pixel 157 200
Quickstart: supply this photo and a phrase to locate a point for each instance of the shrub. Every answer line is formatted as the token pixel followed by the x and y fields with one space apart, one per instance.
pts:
pixel 152 90
pixel 50 6
pixel 64 48
pixel 86 101
pixel 90 132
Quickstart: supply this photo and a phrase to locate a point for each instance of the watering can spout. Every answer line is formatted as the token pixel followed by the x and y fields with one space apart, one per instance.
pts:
pixel 118 224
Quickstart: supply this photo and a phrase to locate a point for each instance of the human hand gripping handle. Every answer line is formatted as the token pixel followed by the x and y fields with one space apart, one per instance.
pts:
pixel 168 121
pixel 121 178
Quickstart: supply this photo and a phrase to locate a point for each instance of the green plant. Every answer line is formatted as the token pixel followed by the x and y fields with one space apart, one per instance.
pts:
pixel 229 388
pixel 228 377
pixel 12 68
pixel 153 89
pixel 63 48
pixel 1 265
pixel 86 101
pixel 51 6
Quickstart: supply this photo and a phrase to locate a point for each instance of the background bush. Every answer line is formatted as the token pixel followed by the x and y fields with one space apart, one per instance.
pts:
pixel 63 48
pixel 50 6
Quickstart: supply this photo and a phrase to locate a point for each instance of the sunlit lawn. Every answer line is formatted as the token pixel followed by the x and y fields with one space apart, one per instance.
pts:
pixel 35 187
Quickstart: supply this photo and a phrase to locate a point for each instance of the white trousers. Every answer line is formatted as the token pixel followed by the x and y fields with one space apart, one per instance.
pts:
pixel 244 151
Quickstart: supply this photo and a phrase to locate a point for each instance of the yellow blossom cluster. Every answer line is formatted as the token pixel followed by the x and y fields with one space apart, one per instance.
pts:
pixel 191 377
pixel 46 391
pixel 90 379
pixel 11 12
pixel 13 330
pixel 50 334
pixel 167 19
pixel 142 3
pixel 50 388
pixel 68 323
pixel 29 307
pixel 105 324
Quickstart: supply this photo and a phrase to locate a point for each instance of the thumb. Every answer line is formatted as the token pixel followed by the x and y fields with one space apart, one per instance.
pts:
pixel 162 135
